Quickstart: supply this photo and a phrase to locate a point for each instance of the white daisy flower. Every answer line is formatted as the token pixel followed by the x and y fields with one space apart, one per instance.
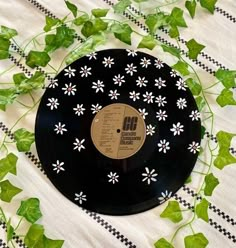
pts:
pixel 150 130
pixel 113 94
pixel 194 147
pixel 165 196
pixel 53 84
pixel 119 79
pixel 141 82
pixel 163 146
pixel 113 177
pixel 173 73
pixel 96 108
pixel 60 128
pixel 85 71
pixel 143 112
pixel 134 95
pixel 131 53
pixel 181 84
pixel 108 62
pixel 80 197
pixel 69 89
pixel 79 110
pixel 130 69
pixel 158 63
pixel 161 101
pixel 160 83
pixel 145 62
pixel 58 166
pixel 148 97
pixel 195 115
pixel 98 86
pixel 53 103
pixel 92 55
pixel 79 144
pixel 149 176
pixel 161 115
pixel 177 128
pixel 69 72
pixel 181 103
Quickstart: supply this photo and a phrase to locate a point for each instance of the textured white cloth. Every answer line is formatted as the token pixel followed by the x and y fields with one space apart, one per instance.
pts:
pixel 65 220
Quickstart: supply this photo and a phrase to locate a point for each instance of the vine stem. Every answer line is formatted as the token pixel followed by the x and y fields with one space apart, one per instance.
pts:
pixel 3 215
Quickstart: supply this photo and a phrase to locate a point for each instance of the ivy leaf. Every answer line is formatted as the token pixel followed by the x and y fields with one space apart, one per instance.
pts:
pixel 10 231
pixel 30 210
pixel 197 240
pixel 195 87
pixel 176 18
pixel 34 236
pixel 154 21
pixel 172 50
pixel 90 28
pixel 140 1
pixel 211 182
pixel 147 42
pixel 191 7
pixel 36 58
pixel 172 212
pixel 81 20
pixel 226 77
pixel 3 107
pixel 121 6
pixel 203 130
pixel 188 180
pixel 226 98
pixel 124 34
pixel 4 47
pixel 50 22
pixel 8 165
pixel 8 191
pixel 194 48
pixel 64 36
pixel 72 8
pixel 24 139
pixel 163 243
pixel 200 103
pixel 173 32
pixel 100 12
pixel 209 5
pixel 7 33
pixel 224 157
pixel 202 210
pixel 181 67
pixel 50 243
pixel 7 96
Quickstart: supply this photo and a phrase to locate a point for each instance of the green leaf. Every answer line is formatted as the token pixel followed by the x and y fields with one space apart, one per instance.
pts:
pixel 8 165
pixel 226 77
pixel 195 87
pixel 181 67
pixel 172 50
pixel 121 6
pixel 8 191
pixel 4 47
pixel 3 107
pixel 210 183
pixel 202 210
pixel 197 240
pixel 224 157
pixel 147 42
pixel 36 58
pixel 194 48
pixel 172 212
pixel 140 1
pixel 93 27
pixel 10 231
pixel 200 103
pixel 24 139
pixel 176 18
pixel 209 5
pixel 50 22
pixel 154 21
pixel 203 130
pixel 226 98
pixel 191 7
pixel 50 243
pixel 99 12
pixel 163 243
pixel 173 32
pixel 64 36
pixel 125 34
pixel 34 236
pixel 81 20
pixel 72 8
pixel 7 33
pixel 30 210
pixel 7 96
pixel 188 180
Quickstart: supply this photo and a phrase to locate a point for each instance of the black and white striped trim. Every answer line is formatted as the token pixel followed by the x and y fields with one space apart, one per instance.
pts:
pixel 3 244
pixel 225 14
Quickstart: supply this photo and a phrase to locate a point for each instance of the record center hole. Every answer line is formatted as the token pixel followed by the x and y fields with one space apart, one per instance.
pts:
pixel 118 130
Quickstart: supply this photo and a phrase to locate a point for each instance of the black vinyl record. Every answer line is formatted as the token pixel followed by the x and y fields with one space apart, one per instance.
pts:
pixel 118 132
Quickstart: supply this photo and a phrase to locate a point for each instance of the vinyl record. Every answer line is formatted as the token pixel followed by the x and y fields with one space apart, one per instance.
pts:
pixel 118 132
